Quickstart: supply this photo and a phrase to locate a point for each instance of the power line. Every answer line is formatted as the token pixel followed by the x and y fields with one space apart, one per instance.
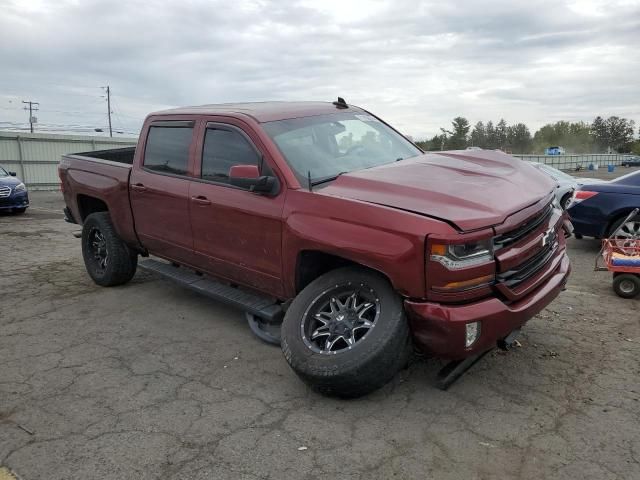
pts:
pixel 32 106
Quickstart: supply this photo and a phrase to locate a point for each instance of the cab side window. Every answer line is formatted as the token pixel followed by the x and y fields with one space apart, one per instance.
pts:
pixel 224 148
pixel 167 149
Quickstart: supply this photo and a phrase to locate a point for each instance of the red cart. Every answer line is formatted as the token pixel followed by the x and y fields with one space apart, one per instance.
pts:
pixel 622 257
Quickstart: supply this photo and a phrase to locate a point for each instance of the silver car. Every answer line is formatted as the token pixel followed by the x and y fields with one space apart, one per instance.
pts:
pixel 566 183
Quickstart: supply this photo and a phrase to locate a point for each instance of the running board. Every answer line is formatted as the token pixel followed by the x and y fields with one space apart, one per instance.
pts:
pixel 260 306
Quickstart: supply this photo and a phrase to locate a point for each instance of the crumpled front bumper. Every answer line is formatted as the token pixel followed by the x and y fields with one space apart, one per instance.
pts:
pixel 439 330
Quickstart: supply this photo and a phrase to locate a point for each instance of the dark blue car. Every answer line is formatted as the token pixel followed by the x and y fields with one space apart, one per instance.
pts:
pixel 599 209
pixel 13 193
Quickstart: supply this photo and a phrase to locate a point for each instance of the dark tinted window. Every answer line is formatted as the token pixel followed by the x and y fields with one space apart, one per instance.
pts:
pixel 167 149
pixel 224 149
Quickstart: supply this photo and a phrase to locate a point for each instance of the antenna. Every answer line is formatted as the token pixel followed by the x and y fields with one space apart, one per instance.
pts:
pixel 309 180
pixel 341 103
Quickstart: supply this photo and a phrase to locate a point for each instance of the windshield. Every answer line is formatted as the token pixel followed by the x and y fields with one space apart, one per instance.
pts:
pixel 556 174
pixel 3 172
pixel 325 146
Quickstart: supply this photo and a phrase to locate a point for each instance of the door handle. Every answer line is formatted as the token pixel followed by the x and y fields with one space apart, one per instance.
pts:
pixel 201 200
pixel 138 187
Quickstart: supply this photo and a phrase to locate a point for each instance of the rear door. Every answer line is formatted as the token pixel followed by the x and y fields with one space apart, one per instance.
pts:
pixel 159 190
pixel 237 234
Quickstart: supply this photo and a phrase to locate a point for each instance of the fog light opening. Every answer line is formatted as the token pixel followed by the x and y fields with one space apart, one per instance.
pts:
pixel 472 333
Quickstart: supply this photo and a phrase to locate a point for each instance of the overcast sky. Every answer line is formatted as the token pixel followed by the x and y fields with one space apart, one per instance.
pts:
pixel 416 64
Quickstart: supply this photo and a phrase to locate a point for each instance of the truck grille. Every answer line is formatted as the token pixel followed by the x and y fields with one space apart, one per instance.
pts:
pixel 512 236
pixel 540 232
pixel 5 192
pixel 516 276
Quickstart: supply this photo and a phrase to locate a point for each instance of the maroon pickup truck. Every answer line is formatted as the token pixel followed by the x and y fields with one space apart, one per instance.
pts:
pixel 339 237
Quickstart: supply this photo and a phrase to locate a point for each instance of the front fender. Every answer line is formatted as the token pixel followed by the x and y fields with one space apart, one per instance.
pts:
pixel 399 255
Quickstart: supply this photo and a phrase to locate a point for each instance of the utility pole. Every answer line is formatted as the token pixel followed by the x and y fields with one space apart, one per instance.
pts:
pixel 33 107
pixel 108 89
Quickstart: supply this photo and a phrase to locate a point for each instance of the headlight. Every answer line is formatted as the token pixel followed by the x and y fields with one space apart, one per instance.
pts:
pixel 21 187
pixel 463 255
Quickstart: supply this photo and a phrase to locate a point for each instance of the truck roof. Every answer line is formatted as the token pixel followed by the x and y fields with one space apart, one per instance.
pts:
pixel 262 111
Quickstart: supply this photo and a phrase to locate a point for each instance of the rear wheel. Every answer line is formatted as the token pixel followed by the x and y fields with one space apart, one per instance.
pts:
pixel 346 334
pixel 109 261
pixel 626 285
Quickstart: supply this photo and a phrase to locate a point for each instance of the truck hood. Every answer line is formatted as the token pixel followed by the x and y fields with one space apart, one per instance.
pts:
pixel 470 189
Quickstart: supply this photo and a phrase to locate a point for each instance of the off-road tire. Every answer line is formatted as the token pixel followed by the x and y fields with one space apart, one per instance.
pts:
pixel 122 261
pixel 371 362
pixel 626 285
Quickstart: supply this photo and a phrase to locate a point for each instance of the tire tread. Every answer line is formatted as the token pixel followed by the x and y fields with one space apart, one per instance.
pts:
pixel 123 261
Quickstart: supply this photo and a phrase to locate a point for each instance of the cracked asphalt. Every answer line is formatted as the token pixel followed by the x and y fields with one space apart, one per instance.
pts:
pixel 149 381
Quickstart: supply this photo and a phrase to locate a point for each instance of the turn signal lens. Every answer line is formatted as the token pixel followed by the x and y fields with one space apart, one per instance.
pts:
pixel 466 284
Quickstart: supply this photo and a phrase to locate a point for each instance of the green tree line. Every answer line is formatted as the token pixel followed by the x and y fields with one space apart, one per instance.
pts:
pixel 613 134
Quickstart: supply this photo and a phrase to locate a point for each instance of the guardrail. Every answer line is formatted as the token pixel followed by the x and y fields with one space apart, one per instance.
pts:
pixel 35 156
pixel 571 162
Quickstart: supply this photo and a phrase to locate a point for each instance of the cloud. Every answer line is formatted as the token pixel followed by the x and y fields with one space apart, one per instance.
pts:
pixel 417 64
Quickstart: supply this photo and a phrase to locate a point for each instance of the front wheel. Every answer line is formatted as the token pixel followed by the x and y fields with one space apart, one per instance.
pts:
pixel 626 285
pixel 346 334
pixel 19 211
pixel 109 261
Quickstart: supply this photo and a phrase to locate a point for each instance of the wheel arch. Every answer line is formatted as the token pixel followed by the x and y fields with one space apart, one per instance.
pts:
pixel 311 264
pixel 88 204
pixel 568 194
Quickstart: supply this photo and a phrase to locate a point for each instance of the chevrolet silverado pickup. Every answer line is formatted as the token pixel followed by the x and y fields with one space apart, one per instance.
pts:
pixel 323 221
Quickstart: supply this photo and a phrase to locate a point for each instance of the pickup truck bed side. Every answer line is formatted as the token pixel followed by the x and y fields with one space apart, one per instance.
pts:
pixel 99 185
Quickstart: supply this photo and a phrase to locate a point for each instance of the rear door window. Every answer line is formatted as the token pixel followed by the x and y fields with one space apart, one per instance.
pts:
pixel 224 148
pixel 167 148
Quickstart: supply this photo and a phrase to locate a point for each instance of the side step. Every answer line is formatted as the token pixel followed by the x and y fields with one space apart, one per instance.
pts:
pixel 260 306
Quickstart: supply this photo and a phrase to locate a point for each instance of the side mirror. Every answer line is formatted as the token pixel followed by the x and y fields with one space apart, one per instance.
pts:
pixel 248 176
pixel 13 174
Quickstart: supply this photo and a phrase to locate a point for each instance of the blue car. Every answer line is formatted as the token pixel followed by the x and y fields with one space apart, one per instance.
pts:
pixel 598 210
pixel 13 193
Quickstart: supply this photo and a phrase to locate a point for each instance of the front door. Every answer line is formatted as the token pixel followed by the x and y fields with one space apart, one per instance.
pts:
pixel 160 191
pixel 236 233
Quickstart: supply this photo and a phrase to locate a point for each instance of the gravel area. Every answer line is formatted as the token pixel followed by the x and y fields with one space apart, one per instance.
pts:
pixel 149 381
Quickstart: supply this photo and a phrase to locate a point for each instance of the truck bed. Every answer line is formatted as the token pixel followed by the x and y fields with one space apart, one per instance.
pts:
pixel 119 155
pixel 100 180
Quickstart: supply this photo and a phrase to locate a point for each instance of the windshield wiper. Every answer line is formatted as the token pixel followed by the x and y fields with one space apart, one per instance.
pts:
pixel 325 179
